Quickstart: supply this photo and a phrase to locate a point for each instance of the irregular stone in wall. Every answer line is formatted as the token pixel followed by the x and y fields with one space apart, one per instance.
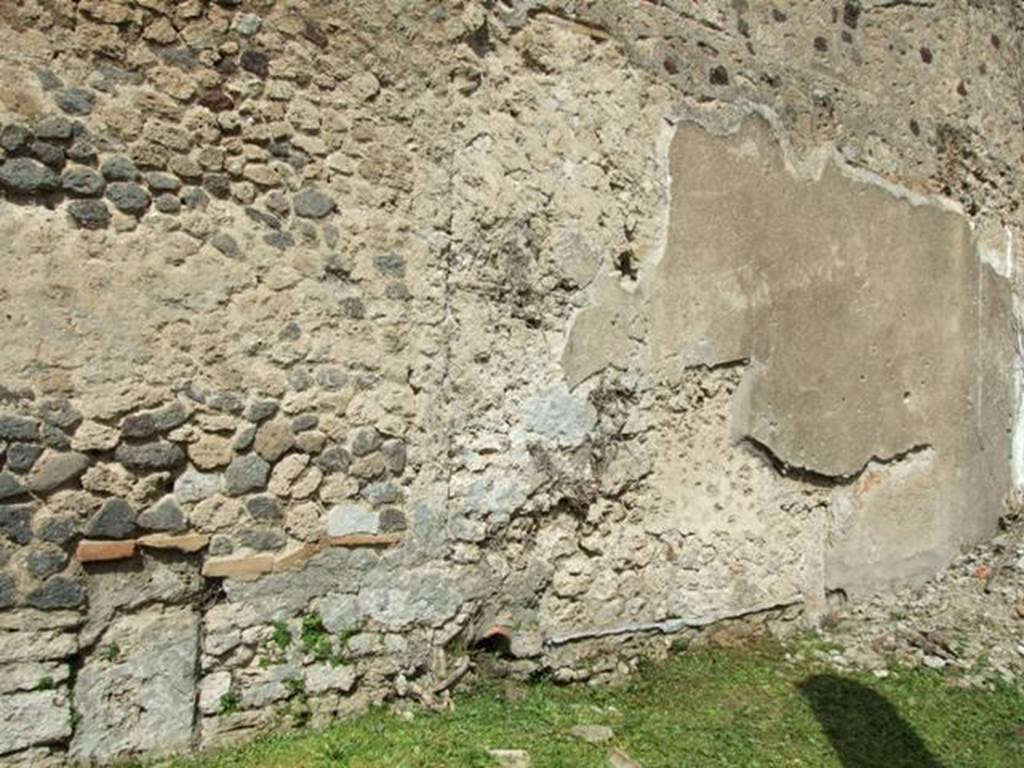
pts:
pixel 15 522
pixel 348 519
pixel 142 701
pixel 55 468
pixel 155 455
pixel 192 486
pixel 33 717
pixel 24 176
pixel 165 515
pixel 55 593
pixel 245 474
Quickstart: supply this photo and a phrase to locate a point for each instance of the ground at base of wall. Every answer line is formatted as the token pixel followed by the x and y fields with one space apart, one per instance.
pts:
pixel 967 621
pixel 764 704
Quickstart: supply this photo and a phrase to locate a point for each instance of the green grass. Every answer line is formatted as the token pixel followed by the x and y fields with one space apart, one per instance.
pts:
pixel 706 707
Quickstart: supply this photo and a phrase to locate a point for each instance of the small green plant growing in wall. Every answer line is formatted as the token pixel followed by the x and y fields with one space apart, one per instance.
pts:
pixel 45 684
pixel 316 641
pixel 229 702
pixel 112 652
pixel 282 636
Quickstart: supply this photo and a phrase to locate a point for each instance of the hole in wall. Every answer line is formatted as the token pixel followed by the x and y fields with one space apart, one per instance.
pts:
pixel 625 265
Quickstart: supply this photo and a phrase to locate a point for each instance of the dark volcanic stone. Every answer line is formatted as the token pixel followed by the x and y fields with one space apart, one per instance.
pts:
pixel 54 127
pixel 46 562
pixel 334 459
pixel 128 196
pixel 24 176
pixel 217 184
pixel 261 410
pixel 246 473
pixel 79 180
pixel 8 591
pixel 167 203
pixel 256 62
pixel 312 203
pixel 57 592
pixel 47 154
pixel 60 412
pixel 15 522
pixel 392 264
pixel 81 152
pixel 156 455
pixel 165 515
pixel 226 244
pixel 194 197
pixel 57 530
pixel 21 456
pixel 75 101
pixel 282 241
pixel 263 507
pixel 14 136
pixel 262 218
pixel 215 100
pixel 162 182
pixel 18 428
pixel 119 168
pixel 89 214
pixel 392 520
pixel 114 520
pixel 10 486
pixel 262 540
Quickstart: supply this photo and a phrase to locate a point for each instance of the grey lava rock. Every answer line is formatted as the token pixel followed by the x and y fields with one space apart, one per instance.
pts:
pixel 263 507
pixel 245 474
pixel 89 214
pixel 21 456
pixel 60 412
pixel 47 154
pixel 312 203
pixel 262 540
pixel 114 520
pixel 150 423
pixel 119 168
pixel 8 591
pixel 59 529
pixel 165 515
pixel 54 127
pixel 15 522
pixel 167 203
pixel 45 562
pixel 18 428
pixel 334 459
pixel 75 101
pixel 155 455
pixel 14 136
pixel 365 440
pixel 25 176
pixel 57 592
pixel 162 182
pixel 10 486
pixel 81 152
pixel 79 180
pixel 226 244
pixel 129 197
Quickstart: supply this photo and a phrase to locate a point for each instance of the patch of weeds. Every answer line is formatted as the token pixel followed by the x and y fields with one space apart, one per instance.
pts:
pixel 229 702
pixel 296 687
pixel 282 636
pixel 112 652
pixel 316 641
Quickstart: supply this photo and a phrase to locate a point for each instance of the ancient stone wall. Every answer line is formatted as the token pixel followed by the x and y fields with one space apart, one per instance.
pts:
pixel 342 338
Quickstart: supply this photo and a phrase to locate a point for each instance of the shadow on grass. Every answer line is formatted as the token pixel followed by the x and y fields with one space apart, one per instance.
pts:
pixel 866 731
